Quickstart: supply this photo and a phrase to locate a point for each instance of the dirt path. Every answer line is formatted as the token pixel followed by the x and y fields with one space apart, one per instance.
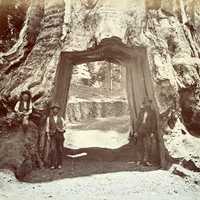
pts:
pixel 126 185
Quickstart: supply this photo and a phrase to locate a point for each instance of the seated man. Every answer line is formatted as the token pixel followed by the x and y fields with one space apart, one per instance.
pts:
pixel 55 128
pixel 146 127
pixel 23 108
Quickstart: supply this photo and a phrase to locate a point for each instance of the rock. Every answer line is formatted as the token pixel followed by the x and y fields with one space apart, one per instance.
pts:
pixel 190 164
pixel 188 175
pixel 25 168
pixel 179 173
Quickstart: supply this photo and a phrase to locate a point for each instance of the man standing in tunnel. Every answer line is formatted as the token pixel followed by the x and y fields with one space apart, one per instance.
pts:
pixel 145 130
pixel 55 128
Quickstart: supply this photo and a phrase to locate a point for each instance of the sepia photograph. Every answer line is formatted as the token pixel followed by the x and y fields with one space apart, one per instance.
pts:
pixel 99 99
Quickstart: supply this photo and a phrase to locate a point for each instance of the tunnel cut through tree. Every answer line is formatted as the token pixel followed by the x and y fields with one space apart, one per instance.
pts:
pixel 139 82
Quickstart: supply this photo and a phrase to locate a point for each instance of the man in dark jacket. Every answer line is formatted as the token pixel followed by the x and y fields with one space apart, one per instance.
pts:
pixel 55 128
pixel 145 130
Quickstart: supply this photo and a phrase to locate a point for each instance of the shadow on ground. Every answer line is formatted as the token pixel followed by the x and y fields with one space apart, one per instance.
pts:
pixel 92 162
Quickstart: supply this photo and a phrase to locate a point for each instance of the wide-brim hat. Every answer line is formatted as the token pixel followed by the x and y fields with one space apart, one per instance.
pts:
pixel 55 105
pixel 26 92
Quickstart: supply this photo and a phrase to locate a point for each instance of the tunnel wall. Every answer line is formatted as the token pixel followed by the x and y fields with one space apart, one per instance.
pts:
pixel 138 80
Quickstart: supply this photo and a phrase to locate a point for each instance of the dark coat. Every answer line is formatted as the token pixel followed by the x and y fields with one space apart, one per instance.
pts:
pixel 55 127
pixel 150 126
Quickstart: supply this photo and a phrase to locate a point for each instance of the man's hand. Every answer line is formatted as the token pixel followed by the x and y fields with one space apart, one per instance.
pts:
pixel 135 134
pixel 152 135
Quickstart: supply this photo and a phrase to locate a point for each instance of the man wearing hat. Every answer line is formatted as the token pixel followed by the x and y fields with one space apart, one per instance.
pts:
pixel 55 128
pixel 24 107
pixel 146 127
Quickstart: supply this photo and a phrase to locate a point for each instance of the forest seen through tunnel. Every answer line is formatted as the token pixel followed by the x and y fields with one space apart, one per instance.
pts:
pixel 97 109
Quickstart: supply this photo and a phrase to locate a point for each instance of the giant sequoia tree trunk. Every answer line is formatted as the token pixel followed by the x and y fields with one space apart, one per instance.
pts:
pixel 160 53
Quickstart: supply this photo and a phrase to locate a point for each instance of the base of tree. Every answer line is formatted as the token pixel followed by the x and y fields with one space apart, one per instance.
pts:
pixel 19 150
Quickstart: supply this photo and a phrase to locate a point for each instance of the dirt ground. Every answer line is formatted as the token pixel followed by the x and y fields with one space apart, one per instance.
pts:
pixel 127 185
pixel 98 169
pixel 81 167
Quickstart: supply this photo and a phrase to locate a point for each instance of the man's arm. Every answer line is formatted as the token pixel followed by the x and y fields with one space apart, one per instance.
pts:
pixel 138 121
pixel 16 109
pixel 64 123
pixel 153 122
pixel 47 127
pixel 30 109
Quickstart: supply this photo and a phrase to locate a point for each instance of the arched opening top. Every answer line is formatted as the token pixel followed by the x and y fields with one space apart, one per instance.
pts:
pixel 109 49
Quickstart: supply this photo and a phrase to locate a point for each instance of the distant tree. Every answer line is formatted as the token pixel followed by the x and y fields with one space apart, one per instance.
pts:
pixel 12 16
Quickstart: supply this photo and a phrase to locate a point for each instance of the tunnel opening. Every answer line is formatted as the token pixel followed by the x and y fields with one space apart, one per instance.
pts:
pixel 97 108
pixel 138 84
